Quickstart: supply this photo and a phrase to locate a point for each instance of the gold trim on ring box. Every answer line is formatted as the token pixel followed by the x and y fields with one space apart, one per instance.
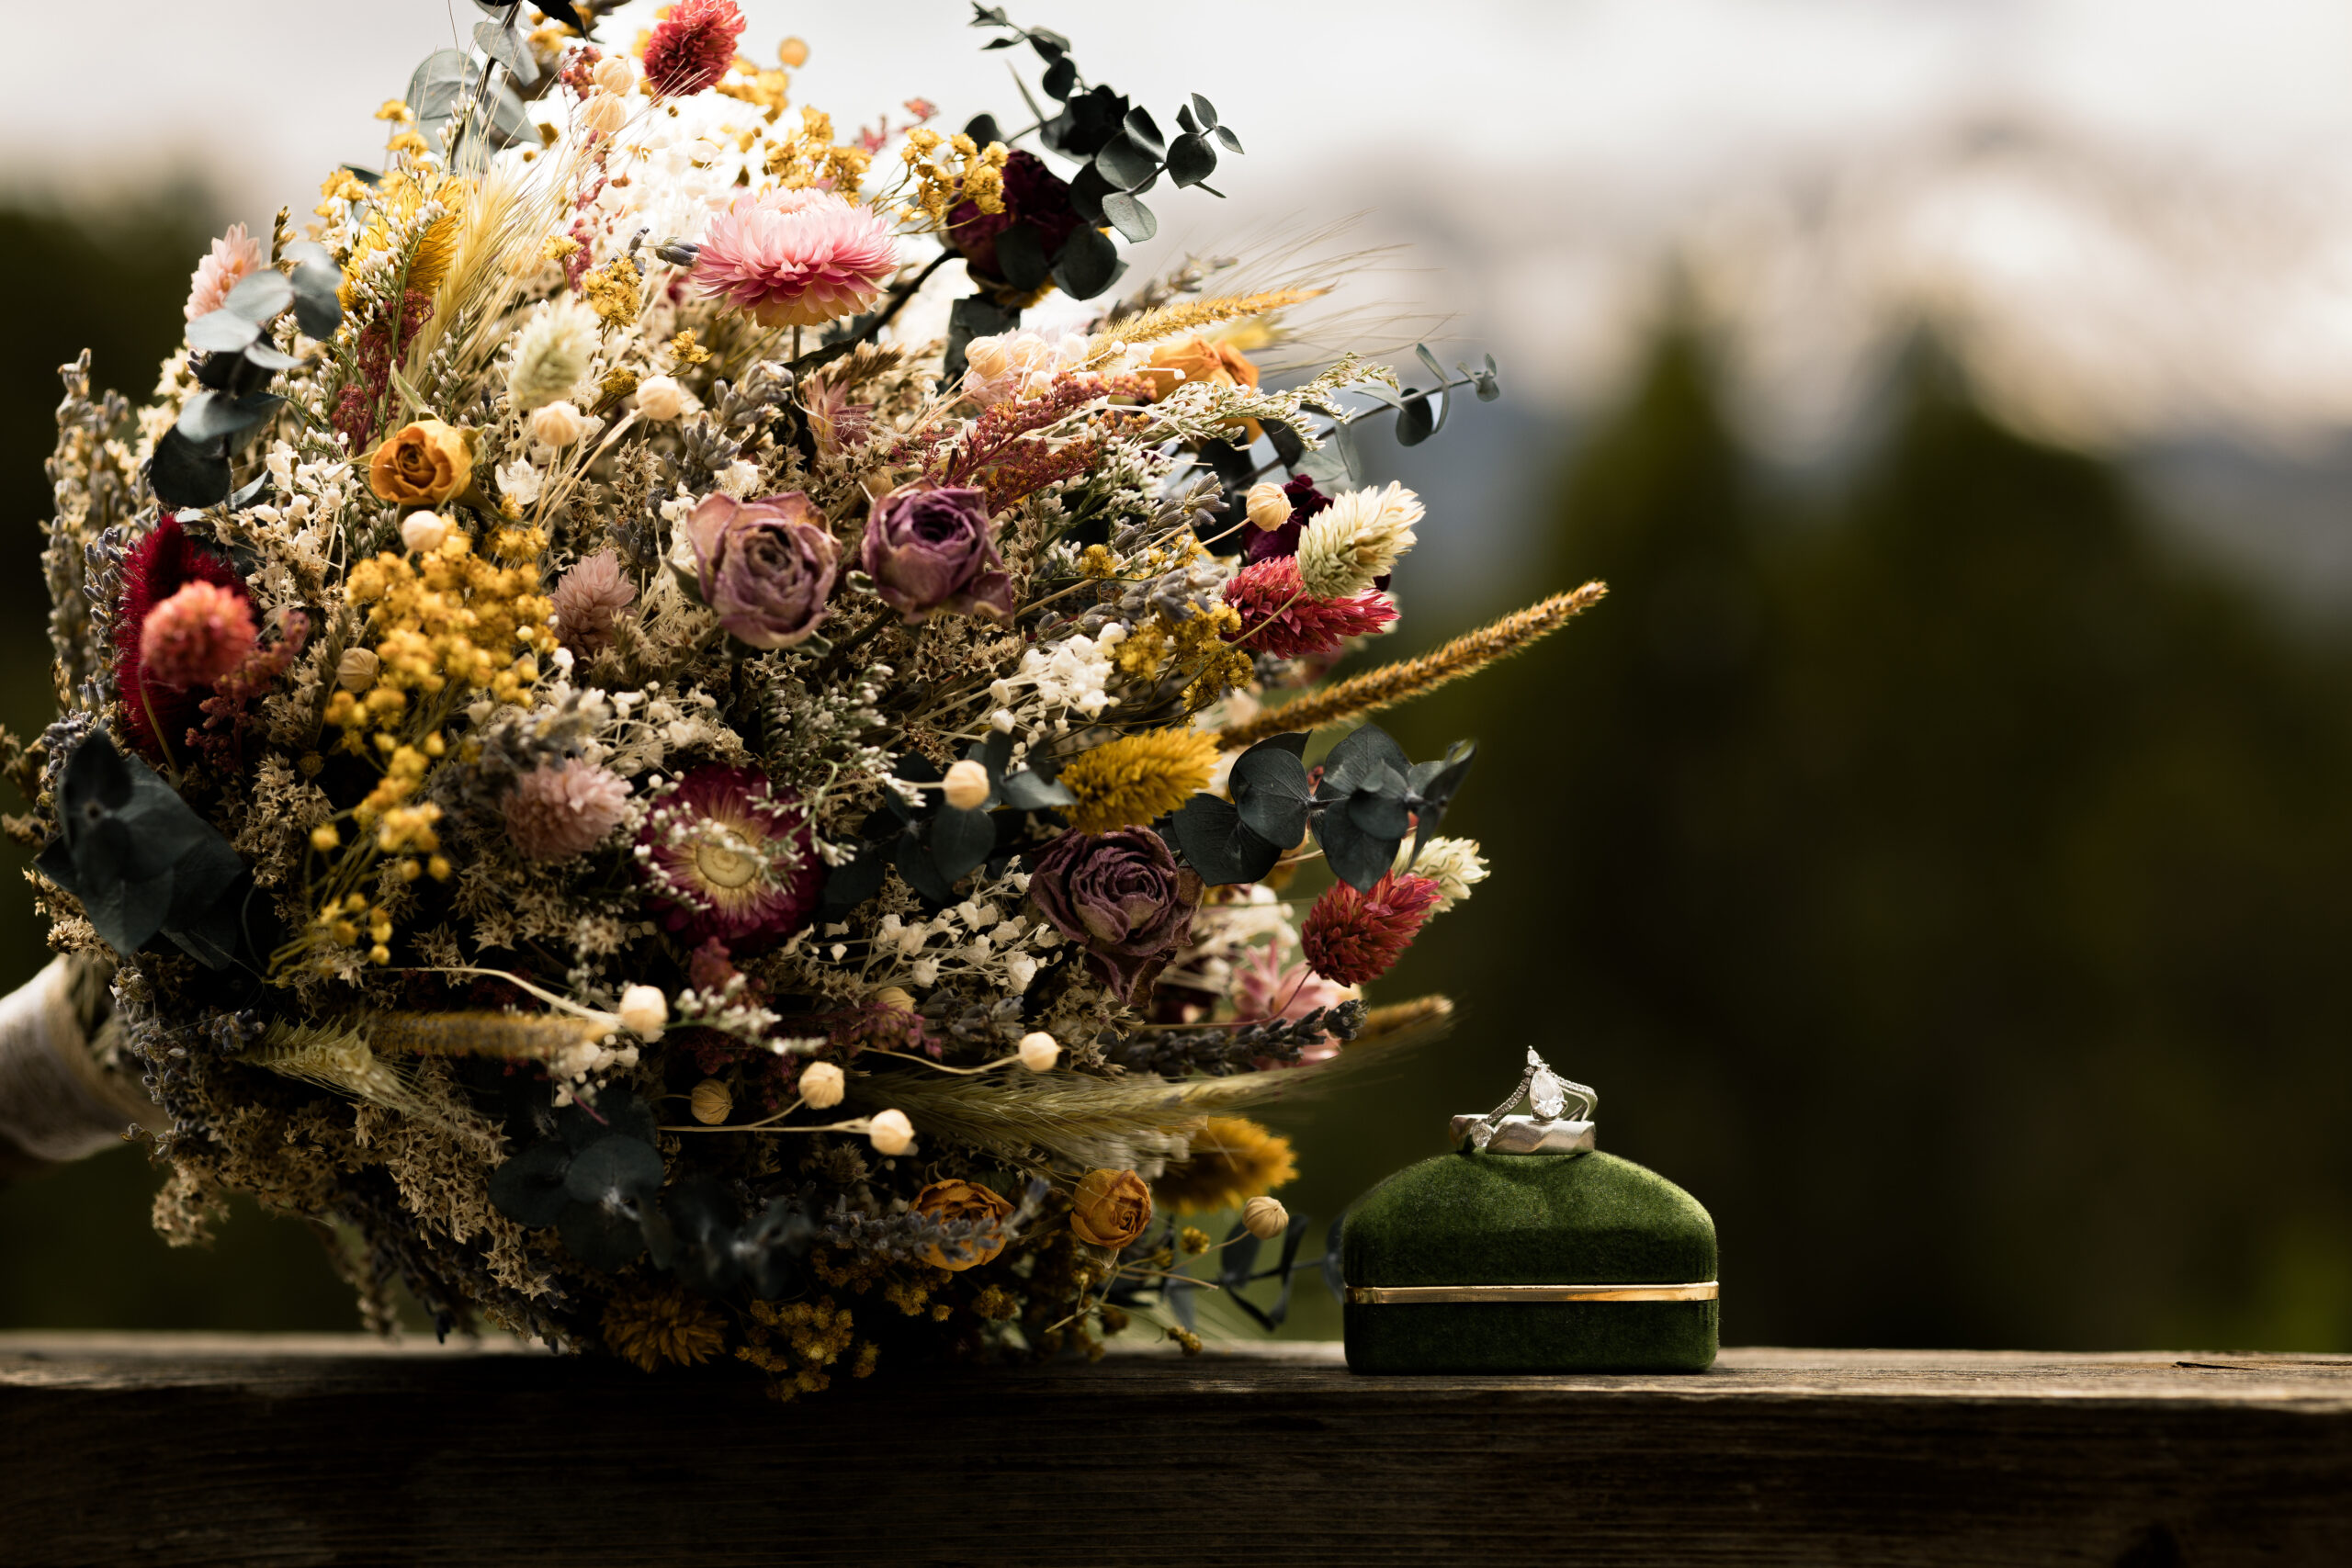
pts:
pixel 1367 1295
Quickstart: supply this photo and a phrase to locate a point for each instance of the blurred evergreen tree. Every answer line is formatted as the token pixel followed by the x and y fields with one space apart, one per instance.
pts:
pixel 1944 882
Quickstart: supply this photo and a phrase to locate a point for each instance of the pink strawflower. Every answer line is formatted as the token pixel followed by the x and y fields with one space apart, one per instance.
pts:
pixel 233 256
pixel 690 50
pixel 1354 938
pixel 796 258
pixel 589 599
pixel 724 855
pixel 565 809
pixel 197 637
pixel 1276 618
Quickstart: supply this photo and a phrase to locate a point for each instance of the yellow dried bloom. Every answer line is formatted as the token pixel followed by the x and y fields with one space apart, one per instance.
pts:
pixel 1233 1160
pixel 1135 778
pixel 650 1327
pixel 408 141
pixel 559 247
pixel 397 221
pixel 1096 560
pixel 615 290
pixel 395 110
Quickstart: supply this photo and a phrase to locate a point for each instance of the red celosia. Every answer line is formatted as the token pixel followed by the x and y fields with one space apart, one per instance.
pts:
pixel 1353 937
pixel 159 566
pixel 1277 618
pixel 691 49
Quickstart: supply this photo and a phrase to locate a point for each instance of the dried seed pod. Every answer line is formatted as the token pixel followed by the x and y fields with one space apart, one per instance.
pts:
pixel 711 1101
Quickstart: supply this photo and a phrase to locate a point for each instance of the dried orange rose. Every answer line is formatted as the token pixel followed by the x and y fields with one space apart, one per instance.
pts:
pixel 1111 1208
pixel 1203 359
pixel 422 463
pixel 964 1200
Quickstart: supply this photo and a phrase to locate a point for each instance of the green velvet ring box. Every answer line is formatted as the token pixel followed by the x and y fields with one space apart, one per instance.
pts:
pixel 1486 1262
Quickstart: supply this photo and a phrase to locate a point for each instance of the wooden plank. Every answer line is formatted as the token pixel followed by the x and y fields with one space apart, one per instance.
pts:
pixel 205 1449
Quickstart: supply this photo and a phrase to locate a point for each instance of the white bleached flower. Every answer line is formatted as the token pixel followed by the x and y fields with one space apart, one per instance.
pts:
pixel 423 531
pixel 519 482
pixel 823 1085
pixel 559 424
pixel 1039 1051
pixel 1455 865
pixel 644 1011
pixel 551 353
pixel 891 1132
pixel 740 479
pixel 1356 540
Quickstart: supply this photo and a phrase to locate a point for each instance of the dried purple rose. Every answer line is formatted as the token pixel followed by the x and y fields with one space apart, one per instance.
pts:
pixel 1122 895
pixel 766 566
pixel 931 548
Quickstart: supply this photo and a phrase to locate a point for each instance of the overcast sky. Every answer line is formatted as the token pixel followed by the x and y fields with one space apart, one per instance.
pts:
pixel 1537 155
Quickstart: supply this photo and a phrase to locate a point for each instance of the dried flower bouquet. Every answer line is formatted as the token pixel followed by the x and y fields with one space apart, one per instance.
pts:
pixel 685 821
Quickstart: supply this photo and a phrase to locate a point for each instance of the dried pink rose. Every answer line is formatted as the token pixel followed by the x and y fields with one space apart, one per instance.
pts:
pixel 565 809
pixel 234 257
pixel 589 599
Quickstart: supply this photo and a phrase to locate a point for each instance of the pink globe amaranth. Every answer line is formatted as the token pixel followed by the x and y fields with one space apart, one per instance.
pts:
pixel 796 258
pixel 197 637
pixel 727 855
pixel 765 568
pixel 932 548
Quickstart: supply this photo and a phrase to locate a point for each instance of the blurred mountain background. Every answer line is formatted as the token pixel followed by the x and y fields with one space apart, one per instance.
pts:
pixel 1936 849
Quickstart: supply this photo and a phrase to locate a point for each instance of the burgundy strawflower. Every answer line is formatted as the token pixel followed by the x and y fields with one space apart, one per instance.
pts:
pixel 159 566
pixel 1354 938
pixel 1305 501
pixel 691 49
pixel 1277 620
pixel 724 854
pixel 1034 195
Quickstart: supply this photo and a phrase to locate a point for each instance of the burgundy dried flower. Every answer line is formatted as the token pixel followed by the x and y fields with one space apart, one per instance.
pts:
pixel 197 636
pixel 1354 938
pixel 1305 501
pixel 726 855
pixel 764 566
pixel 589 599
pixel 1034 195
pixel 690 50
pixel 566 809
pixel 1123 896
pixel 159 566
pixel 1277 620
pixel 932 548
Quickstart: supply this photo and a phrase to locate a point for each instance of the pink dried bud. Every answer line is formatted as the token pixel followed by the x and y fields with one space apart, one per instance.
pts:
pixel 197 637
pixel 690 50
pixel 1354 938
pixel 589 599
pixel 563 810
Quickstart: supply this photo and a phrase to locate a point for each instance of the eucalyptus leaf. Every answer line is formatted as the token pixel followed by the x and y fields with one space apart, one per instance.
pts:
pixel 1215 842
pixel 1191 160
pixel 1187 122
pixel 222 332
pixel 436 83
pixel 139 858
pixel 1131 218
pixel 600 1236
pixel 1060 78
pixel 915 864
pixel 1143 131
pixel 208 415
pixel 613 1170
pixel 1381 817
pixel 261 295
pixel 983 128
pixel 529 1189
pixel 1357 760
pixel 961 842
pixel 1356 857
pixel 1206 113
pixel 1237 1258
pixel 188 473
pixel 1414 423
pixel 1088 264
pixel 499 41
pixel 847 886
pixel 1224 134
pixel 1027 791
pixel 1125 166
pixel 1021 257
pixel 268 359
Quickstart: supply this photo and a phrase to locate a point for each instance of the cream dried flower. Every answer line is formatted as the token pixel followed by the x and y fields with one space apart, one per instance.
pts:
pixel 1455 865
pixel 1268 507
pixel 891 1132
pixel 560 423
pixel 603 114
pixel 357 669
pixel 644 1011
pixel 660 399
pixel 589 599
pixel 1039 1051
pixel 1265 1218
pixel 553 351
pixel 616 74
pixel 424 531
pixel 823 1085
pixel 519 482
pixel 565 809
pixel 1355 541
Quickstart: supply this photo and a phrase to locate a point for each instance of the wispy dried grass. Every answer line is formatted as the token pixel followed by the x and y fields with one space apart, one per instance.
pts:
pixel 1046 1121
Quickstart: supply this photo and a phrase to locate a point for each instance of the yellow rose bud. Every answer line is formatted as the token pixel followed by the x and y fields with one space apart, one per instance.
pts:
pixel 821 1085
pixel 1111 1208
pixel 891 1131
pixel 1268 507
pixel 966 1201
pixel 967 785
pixel 422 463
pixel 1265 1218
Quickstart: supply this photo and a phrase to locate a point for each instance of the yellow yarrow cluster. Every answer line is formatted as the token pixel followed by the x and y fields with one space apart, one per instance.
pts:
pixel 1135 778
pixel 808 156
pixel 973 173
pixel 753 83
pixel 614 291
pixel 1197 646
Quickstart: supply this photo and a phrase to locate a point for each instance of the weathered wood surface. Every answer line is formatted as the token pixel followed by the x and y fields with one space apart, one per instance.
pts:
pixel 204 1449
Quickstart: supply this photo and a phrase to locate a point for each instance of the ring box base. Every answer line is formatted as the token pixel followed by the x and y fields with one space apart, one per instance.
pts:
pixel 1489 1219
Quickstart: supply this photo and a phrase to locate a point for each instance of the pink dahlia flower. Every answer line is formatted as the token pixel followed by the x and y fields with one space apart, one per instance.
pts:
pixel 197 637
pixel 1278 618
pixel 796 258
pixel 1354 938
pixel 233 256
pixel 564 810
pixel 689 50
pixel 725 855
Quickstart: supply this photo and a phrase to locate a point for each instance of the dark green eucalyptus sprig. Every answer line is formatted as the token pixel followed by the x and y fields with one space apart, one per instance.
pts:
pixel 1368 799
pixel 234 363
pixel 699 1235
pixel 935 843
pixel 1237 1269
pixel 594 1182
